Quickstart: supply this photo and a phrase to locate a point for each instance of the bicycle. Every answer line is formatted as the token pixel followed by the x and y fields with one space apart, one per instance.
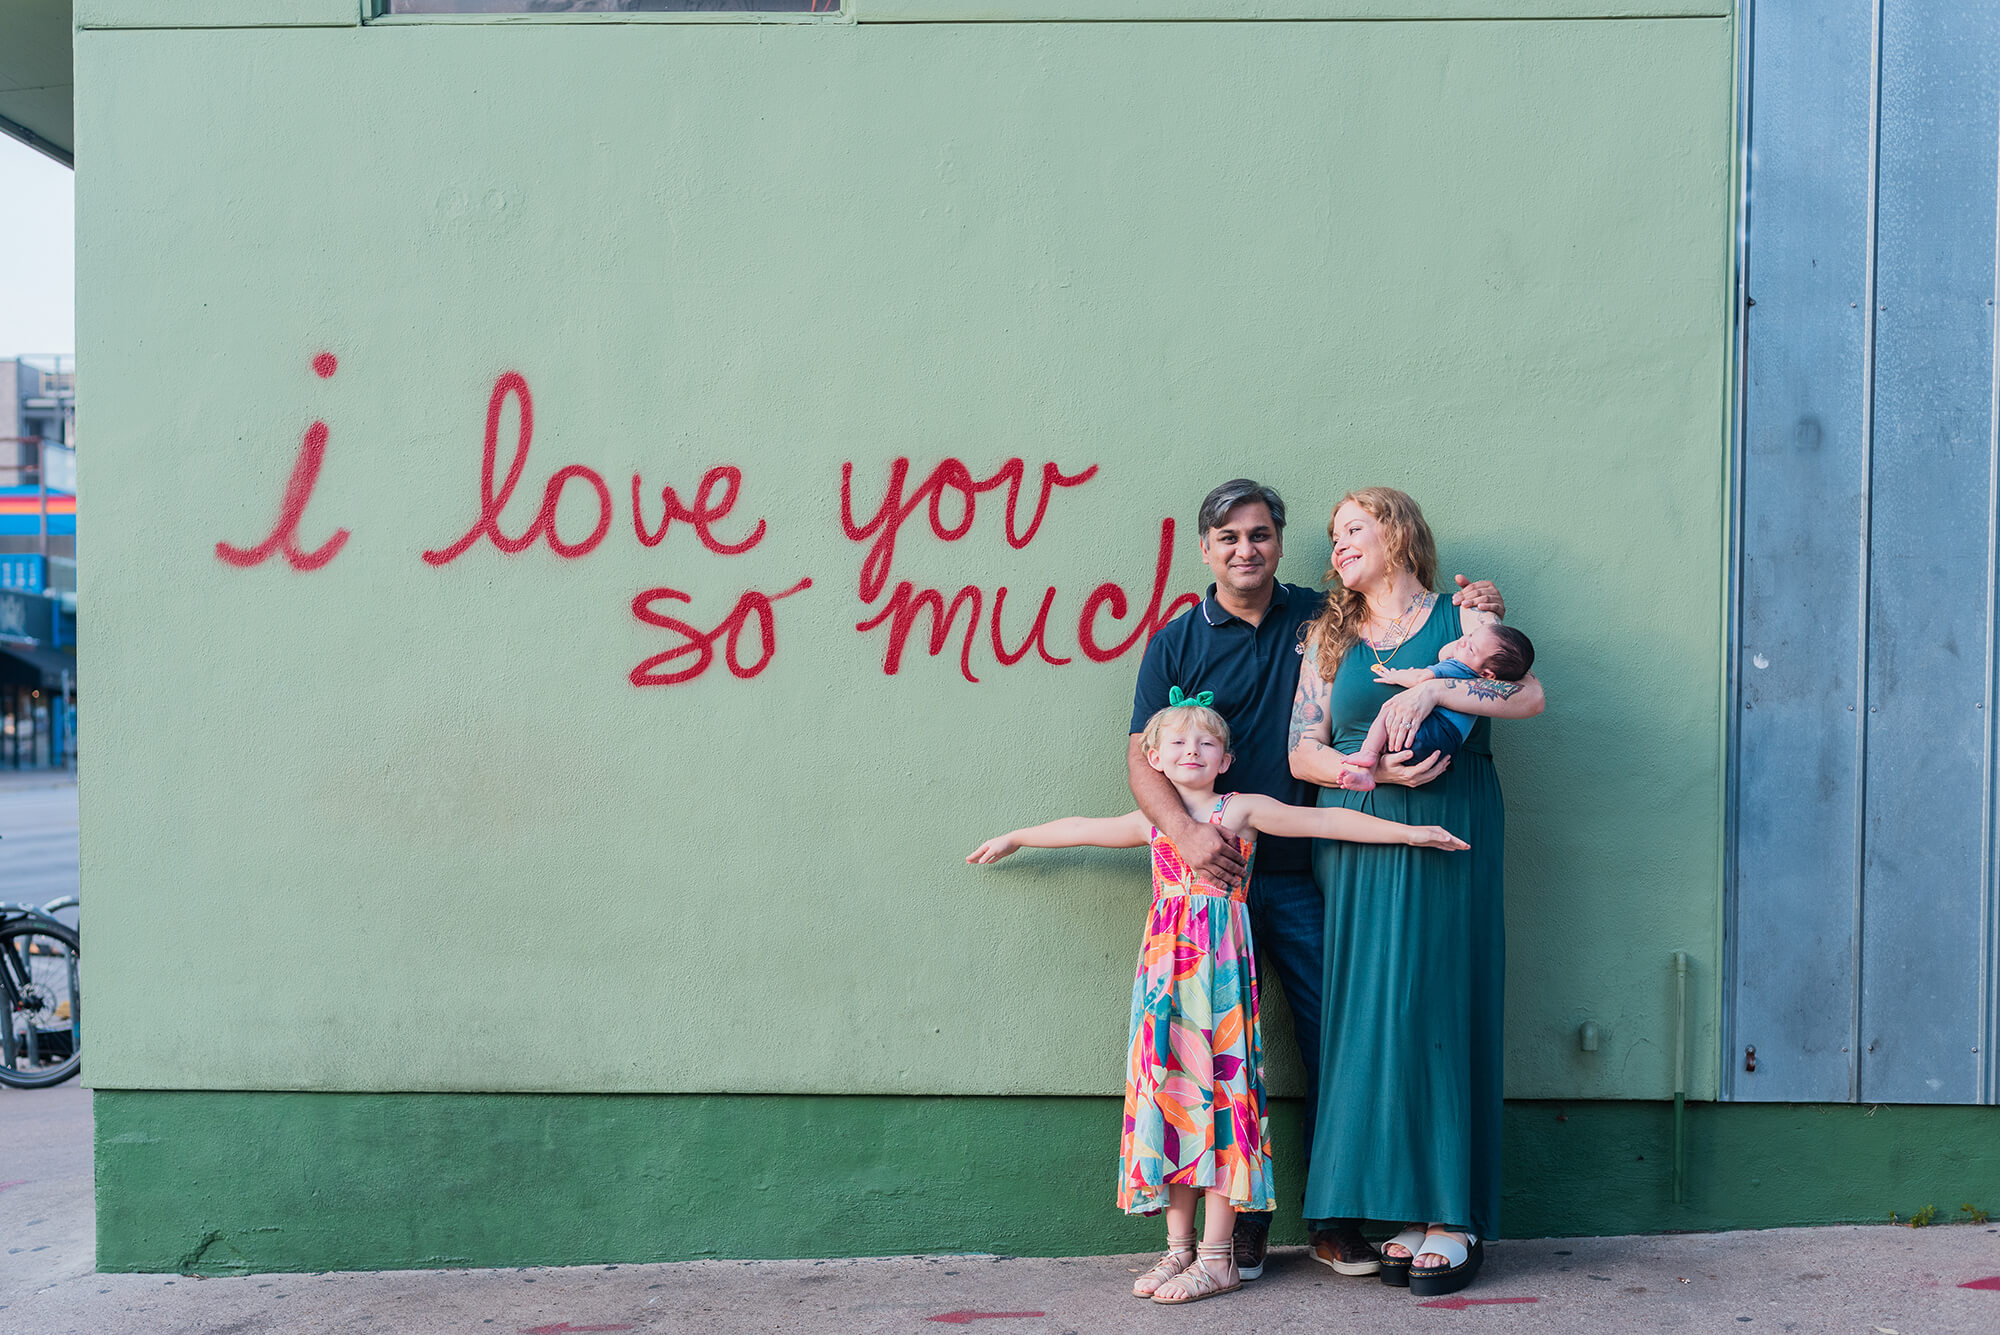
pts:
pixel 41 1033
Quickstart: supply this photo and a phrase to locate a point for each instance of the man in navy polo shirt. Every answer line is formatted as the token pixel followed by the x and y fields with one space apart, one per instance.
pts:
pixel 1244 643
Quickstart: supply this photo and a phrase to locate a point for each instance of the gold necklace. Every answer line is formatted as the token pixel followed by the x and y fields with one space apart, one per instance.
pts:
pixel 1396 626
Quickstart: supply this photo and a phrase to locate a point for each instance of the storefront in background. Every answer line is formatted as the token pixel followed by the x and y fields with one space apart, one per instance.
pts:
pixel 38 682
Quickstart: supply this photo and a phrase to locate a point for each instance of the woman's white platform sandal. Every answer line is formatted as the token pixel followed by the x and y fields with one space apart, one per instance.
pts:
pixel 1463 1259
pixel 1396 1269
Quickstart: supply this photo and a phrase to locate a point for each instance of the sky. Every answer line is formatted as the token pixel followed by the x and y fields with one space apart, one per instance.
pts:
pixel 37 252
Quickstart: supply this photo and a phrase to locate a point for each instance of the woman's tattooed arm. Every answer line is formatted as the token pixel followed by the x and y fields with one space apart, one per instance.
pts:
pixel 1312 755
pixel 1309 704
pixel 1482 695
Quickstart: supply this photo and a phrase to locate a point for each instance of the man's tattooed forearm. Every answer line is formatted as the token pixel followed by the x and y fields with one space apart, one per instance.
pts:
pixel 1483 688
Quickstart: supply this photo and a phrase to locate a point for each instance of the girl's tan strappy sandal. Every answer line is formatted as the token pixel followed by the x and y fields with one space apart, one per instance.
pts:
pixel 1180 1255
pixel 1212 1275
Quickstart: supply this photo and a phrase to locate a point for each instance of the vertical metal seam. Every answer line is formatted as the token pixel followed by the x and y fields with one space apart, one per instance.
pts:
pixel 1733 653
pixel 1989 897
pixel 1867 524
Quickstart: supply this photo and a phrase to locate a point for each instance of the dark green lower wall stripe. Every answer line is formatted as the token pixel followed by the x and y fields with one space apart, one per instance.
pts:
pixel 1607 1168
pixel 227 1182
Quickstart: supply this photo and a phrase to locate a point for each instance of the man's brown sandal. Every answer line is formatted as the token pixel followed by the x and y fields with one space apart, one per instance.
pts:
pixel 1180 1255
pixel 1345 1251
pixel 1212 1275
pixel 1253 1246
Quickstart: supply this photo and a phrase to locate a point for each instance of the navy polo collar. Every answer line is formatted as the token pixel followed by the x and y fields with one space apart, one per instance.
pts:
pixel 1214 613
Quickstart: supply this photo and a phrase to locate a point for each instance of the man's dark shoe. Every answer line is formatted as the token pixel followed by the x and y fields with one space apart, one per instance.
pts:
pixel 1253 1239
pixel 1344 1249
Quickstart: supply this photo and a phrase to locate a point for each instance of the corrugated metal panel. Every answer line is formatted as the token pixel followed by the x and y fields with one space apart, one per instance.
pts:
pixel 1802 475
pixel 1862 915
pixel 1929 565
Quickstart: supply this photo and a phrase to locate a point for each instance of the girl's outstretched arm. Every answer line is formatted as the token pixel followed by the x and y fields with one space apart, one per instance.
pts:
pixel 1267 815
pixel 1127 831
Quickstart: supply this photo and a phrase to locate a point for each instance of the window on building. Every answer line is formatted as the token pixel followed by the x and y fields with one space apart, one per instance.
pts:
pixel 611 6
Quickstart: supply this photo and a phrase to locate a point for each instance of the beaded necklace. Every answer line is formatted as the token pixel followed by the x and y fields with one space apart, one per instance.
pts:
pixel 1420 601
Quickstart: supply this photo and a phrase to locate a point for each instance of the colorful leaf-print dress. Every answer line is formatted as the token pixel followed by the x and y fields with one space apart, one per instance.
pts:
pixel 1194 1078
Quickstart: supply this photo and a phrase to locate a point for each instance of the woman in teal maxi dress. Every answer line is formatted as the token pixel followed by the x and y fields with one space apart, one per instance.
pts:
pixel 1410 1064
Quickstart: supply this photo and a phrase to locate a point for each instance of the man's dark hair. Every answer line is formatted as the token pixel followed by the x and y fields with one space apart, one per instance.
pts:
pixel 1231 494
pixel 1516 654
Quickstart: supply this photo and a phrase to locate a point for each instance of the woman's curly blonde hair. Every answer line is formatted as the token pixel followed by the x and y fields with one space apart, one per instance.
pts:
pixel 1408 544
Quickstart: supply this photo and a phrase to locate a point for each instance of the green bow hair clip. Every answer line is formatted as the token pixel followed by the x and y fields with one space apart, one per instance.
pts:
pixel 1206 700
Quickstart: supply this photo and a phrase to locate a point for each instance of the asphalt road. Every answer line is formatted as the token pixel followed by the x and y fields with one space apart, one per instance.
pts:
pixel 38 838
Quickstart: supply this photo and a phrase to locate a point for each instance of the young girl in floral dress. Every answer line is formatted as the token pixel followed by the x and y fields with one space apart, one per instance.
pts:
pixel 1194 1080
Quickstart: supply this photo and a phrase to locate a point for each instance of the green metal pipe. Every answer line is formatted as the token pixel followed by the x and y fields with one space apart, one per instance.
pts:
pixel 1680 1075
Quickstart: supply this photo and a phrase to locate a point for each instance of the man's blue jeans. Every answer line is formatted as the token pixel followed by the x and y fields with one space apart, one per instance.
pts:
pixel 1288 937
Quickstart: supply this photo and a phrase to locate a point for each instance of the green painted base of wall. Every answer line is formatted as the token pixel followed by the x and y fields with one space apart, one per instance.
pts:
pixel 217 1183
pixel 1597 1169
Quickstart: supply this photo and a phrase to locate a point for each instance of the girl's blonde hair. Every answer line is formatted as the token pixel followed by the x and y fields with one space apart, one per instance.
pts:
pixel 1199 716
pixel 1407 543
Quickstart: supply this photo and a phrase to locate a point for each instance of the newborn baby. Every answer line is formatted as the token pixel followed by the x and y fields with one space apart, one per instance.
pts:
pixel 1493 651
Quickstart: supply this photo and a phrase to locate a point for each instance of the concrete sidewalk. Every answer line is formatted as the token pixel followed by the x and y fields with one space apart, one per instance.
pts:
pixel 1870 1281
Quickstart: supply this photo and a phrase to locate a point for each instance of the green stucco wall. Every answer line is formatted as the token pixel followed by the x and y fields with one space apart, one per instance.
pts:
pixel 392 826
pixel 219 1183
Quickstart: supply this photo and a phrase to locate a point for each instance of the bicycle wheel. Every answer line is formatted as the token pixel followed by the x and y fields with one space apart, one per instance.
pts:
pixel 41 1033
